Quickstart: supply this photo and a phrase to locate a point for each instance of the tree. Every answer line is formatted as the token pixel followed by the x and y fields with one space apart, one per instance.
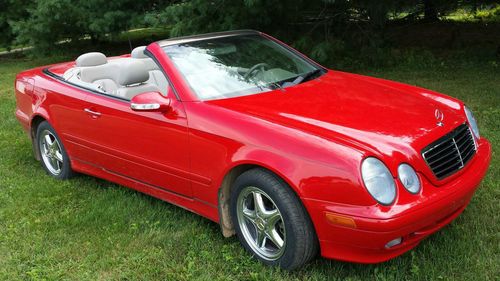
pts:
pixel 187 17
pixel 43 23
pixel 51 21
pixel 430 11
pixel 10 12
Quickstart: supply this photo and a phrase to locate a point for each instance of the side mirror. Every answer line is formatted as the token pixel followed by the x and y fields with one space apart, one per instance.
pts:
pixel 150 101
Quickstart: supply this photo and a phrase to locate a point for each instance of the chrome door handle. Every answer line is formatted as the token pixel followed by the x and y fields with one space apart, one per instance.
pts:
pixel 95 113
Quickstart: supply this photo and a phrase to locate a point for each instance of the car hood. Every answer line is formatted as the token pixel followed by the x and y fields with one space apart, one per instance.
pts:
pixel 380 116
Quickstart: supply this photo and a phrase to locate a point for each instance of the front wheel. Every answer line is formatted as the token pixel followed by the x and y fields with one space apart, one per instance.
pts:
pixel 53 156
pixel 270 221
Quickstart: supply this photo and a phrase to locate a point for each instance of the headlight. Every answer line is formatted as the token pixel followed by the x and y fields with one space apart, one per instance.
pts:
pixel 472 122
pixel 378 180
pixel 409 178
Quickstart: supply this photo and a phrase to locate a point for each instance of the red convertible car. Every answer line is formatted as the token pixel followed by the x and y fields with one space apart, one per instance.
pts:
pixel 238 127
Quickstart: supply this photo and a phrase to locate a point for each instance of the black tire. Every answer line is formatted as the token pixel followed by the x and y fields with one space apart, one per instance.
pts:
pixel 300 241
pixel 65 170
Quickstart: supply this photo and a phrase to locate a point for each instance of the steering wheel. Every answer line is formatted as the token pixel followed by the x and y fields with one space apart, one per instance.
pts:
pixel 260 67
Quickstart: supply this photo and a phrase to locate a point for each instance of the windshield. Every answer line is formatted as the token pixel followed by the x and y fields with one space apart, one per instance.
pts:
pixel 237 66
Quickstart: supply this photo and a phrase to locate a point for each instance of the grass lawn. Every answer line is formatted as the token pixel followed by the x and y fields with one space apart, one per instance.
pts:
pixel 90 229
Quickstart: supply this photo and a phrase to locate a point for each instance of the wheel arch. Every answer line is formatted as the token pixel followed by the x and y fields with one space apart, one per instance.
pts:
pixel 35 121
pixel 225 189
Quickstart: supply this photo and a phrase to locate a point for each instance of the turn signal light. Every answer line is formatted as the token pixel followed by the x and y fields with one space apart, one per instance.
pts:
pixel 340 220
pixel 393 242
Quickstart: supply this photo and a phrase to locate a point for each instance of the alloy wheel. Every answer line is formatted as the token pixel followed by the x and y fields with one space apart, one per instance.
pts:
pixel 51 152
pixel 261 223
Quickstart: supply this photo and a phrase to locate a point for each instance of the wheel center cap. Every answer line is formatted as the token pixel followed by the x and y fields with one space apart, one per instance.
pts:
pixel 260 223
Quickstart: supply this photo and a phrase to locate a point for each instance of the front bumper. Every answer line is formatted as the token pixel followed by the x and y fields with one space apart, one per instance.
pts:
pixel 366 241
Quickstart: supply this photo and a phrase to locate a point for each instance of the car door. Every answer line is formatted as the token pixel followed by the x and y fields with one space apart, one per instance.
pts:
pixel 149 147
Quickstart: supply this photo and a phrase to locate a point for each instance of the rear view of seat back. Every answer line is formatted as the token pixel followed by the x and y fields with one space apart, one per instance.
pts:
pixel 91 59
pixel 133 76
pixel 103 76
pixel 85 61
pixel 95 69
pixel 156 76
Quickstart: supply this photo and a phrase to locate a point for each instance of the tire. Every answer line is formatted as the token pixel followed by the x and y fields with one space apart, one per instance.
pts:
pixel 50 149
pixel 289 240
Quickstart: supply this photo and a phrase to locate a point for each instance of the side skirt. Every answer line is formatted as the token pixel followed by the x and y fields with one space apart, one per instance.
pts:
pixel 194 205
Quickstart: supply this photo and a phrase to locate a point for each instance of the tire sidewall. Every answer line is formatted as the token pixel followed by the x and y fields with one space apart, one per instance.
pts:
pixel 273 189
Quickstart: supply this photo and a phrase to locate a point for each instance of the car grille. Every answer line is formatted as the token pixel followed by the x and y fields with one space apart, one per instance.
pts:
pixel 450 153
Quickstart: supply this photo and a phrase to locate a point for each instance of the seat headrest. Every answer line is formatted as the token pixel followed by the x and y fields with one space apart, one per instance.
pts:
pixel 133 72
pixel 91 59
pixel 138 53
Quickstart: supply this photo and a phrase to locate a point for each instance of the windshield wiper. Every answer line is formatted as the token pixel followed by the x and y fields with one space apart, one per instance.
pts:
pixel 277 86
pixel 306 77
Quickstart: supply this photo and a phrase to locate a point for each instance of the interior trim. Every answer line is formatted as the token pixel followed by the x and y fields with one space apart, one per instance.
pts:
pixel 59 78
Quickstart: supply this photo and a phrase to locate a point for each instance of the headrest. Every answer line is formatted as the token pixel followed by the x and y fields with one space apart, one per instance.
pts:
pixel 138 53
pixel 133 72
pixel 91 59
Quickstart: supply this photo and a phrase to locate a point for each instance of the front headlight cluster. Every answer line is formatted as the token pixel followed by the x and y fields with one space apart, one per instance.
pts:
pixel 409 178
pixel 472 122
pixel 380 184
pixel 378 180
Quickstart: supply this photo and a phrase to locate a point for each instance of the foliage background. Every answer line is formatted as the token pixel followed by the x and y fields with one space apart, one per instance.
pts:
pixel 342 33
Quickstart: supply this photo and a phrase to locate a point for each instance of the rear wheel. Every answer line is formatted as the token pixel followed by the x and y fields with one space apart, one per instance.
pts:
pixel 53 156
pixel 270 221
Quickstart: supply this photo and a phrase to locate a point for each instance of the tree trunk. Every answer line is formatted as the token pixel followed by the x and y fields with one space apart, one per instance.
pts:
pixel 430 12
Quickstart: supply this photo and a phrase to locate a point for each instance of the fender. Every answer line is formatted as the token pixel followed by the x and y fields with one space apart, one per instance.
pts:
pixel 245 161
pixel 305 179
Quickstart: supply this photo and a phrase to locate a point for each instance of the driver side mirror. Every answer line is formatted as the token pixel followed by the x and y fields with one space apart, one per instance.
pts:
pixel 151 101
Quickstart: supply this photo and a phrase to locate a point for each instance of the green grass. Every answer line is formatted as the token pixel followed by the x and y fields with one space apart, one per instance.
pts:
pixel 90 229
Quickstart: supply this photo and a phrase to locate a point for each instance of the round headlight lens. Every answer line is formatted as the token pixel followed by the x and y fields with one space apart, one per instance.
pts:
pixel 409 178
pixel 378 180
pixel 472 122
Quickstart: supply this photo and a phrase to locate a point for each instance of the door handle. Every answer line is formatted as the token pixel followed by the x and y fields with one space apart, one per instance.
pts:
pixel 91 112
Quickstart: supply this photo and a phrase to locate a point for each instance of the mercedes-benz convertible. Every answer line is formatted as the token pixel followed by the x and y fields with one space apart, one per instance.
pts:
pixel 294 158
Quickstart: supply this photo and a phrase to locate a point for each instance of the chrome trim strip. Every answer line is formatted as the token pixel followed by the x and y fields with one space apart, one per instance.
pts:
pixel 459 156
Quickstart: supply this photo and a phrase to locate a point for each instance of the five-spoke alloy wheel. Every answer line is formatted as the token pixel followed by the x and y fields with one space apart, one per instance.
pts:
pixel 270 221
pixel 261 223
pixel 51 151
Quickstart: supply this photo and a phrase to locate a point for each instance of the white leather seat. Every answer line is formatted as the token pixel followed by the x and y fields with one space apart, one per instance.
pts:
pixel 91 59
pixel 156 76
pixel 134 76
pixel 138 53
pixel 115 77
pixel 91 71
pixel 104 76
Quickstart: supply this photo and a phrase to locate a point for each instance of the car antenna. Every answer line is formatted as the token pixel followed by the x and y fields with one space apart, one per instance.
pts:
pixel 129 42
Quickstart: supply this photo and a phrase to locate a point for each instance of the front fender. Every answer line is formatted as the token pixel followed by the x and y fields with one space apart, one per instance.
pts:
pixel 337 181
